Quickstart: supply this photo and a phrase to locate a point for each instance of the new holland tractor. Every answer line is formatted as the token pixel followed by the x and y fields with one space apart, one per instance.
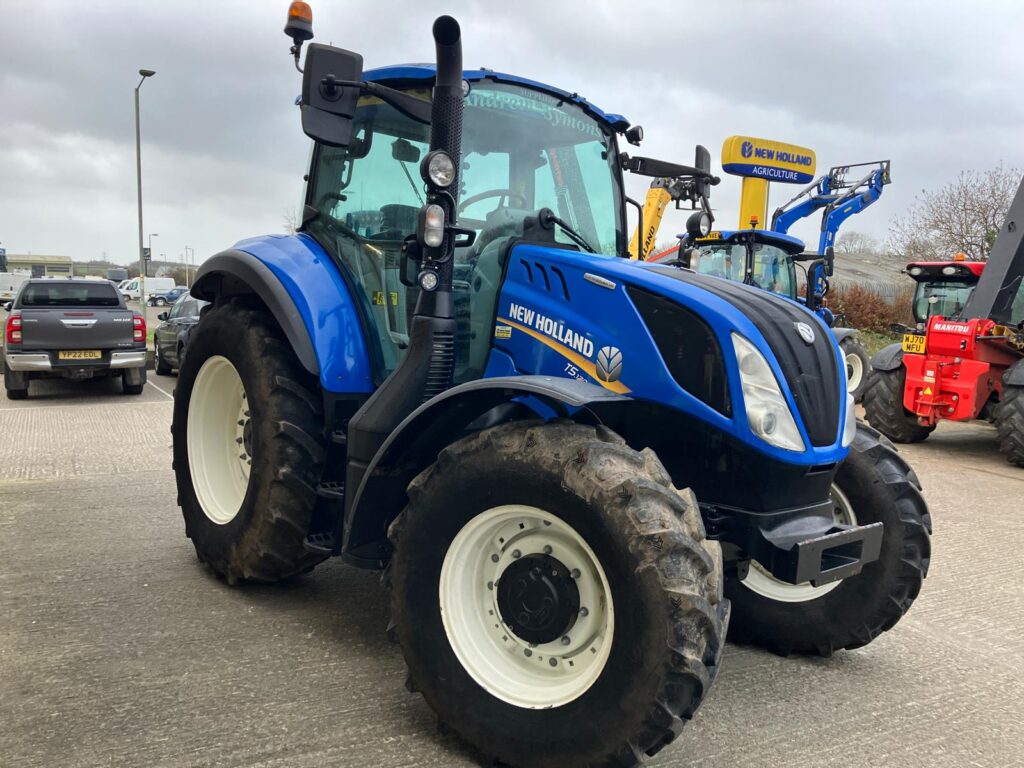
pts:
pixel 965 364
pixel 568 465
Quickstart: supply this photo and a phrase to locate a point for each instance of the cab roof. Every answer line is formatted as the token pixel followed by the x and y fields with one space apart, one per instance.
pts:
pixel 934 268
pixel 407 72
pixel 787 243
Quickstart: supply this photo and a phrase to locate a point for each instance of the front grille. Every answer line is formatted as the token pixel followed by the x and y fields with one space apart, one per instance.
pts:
pixel 811 370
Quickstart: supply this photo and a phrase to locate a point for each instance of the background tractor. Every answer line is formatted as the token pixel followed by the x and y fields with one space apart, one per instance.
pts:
pixel 943 287
pixel 449 375
pixel 966 364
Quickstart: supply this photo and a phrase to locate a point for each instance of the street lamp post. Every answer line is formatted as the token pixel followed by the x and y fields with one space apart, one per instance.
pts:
pixel 190 254
pixel 138 177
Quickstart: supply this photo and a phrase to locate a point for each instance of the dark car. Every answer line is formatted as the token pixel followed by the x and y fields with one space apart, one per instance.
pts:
pixel 168 297
pixel 171 336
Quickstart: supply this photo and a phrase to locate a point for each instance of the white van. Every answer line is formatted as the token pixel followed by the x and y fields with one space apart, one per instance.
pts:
pixel 132 289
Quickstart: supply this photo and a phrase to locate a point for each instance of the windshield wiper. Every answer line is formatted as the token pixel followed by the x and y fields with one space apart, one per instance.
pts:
pixel 548 217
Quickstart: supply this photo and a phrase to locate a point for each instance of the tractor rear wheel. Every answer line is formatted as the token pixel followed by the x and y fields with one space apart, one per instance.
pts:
pixel 858 366
pixel 1009 417
pixel 555 597
pixel 883 407
pixel 248 446
pixel 872 485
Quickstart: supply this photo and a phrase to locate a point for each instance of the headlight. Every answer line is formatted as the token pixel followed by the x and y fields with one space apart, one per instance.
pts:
pixel 438 169
pixel 768 413
pixel 850 427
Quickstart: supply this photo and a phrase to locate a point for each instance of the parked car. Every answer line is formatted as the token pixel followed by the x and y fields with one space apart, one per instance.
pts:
pixel 154 286
pixel 163 299
pixel 10 282
pixel 75 329
pixel 171 336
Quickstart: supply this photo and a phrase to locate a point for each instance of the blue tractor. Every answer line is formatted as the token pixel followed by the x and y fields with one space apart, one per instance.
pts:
pixel 567 464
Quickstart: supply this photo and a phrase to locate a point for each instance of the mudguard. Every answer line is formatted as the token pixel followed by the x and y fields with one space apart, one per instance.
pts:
pixel 843 333
pixel 418 439
pixel 1014 376
pixel 309 299
pixel 888 358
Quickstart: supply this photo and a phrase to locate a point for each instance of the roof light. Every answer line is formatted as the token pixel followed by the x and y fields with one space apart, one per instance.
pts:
pixel 959 256
pixel 438 169
pixel 299 26
pixel 915 271
pixel 949 270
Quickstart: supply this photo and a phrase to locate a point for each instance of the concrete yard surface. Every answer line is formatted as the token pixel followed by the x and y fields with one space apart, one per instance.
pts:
pixel 118 649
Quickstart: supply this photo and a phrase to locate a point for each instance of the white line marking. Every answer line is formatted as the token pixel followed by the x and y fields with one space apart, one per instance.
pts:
pixel 158 389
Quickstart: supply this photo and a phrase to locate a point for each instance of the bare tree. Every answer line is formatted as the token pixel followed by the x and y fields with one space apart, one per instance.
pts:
pixel 291 221
pixel 856 244
pixel 964 215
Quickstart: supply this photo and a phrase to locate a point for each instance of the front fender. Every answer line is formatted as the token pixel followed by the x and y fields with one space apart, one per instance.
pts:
pixel 888 358
pixel 416 442
pixel 1014 376
pixel 309 299
pixel 843 333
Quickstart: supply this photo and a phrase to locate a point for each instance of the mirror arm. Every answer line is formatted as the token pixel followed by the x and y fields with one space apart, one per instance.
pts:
pixel 411 106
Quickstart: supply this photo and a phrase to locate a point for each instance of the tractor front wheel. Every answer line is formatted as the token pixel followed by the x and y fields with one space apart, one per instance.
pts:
pixel 883 407
pixel 248 446
pixel 555 597
pixel 858 366
pixel 873 485
pixel 1009 418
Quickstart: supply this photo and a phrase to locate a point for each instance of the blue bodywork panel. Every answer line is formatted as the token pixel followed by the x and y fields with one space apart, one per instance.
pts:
pixel 426 72
pixel 538 331
pixel 326 306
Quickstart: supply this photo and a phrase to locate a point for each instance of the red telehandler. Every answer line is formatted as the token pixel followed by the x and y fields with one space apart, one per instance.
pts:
pixel 968 365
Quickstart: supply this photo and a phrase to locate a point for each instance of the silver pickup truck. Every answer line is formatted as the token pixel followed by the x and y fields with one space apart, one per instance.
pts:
pixel 76 329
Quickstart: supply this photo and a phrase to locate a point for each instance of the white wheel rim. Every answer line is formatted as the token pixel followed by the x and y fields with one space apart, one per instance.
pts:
pixel 219 451
pixel 759 580
pixel 533 676
pixel 854 371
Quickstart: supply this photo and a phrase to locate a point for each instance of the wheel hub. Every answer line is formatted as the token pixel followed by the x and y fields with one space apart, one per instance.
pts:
pixel 538 599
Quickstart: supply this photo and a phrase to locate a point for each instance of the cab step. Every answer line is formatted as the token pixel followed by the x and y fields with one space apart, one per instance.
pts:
pixel 320 543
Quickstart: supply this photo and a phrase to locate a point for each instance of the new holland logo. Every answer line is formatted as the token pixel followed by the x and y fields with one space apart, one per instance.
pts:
pixel 805 331
pixel 608 364
pixel 747 149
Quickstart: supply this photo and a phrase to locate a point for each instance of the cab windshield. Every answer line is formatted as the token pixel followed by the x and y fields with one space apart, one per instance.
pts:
pixel 770 267
pixel 522 150
pixel 944 298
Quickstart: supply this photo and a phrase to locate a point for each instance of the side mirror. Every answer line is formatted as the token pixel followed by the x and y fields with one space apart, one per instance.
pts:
pixel 331 84
pixel 702 162
pixel 8 305
pixel 830 261
pixel 162 316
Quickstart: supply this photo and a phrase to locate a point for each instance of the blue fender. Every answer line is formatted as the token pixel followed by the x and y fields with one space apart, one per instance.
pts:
pixel 888 358
pixel 309 298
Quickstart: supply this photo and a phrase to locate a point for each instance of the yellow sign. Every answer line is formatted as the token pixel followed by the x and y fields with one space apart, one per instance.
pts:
pixel 714 235
pixel 913 343
pixel 766 159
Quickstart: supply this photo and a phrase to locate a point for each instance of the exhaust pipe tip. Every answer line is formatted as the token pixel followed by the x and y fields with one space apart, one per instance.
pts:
pixel 446 31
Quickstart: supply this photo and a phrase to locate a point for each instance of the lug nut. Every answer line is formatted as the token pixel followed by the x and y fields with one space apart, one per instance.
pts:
pixel 490 585
pixel 565 640
pixel 575 573
pixel 547 549
pixel 516 554
pixel 527 652
pixel 584 611
pixel 495 558
pixel 553 662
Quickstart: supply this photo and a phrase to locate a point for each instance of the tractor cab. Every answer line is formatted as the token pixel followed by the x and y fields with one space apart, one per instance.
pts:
pixel 757 257
pixel 943 287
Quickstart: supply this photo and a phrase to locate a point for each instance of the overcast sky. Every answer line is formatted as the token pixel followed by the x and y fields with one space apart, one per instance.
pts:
pixel 933 86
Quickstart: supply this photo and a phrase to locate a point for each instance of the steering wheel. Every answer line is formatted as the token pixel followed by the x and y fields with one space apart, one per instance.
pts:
pixel 502 193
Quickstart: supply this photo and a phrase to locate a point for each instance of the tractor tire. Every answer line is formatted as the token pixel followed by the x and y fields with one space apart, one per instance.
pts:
pixel 858 366
pixel 628 563
pixel 1009 419
pixel 133 389
pixel 248 446
pixel 883 407
pixel 161 368
pixel 877 486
